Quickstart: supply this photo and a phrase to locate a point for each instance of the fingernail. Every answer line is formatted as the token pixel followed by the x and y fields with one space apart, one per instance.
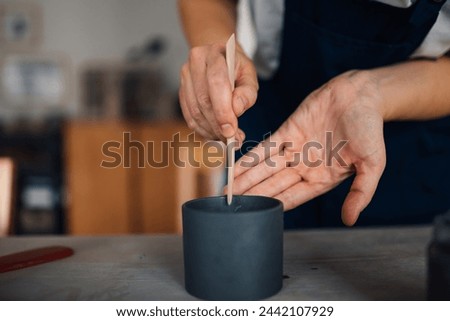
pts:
pixel 227 130
pixel 240 104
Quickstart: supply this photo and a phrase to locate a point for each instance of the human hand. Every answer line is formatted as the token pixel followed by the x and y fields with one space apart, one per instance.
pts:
pixel 336 131
pixel 207 102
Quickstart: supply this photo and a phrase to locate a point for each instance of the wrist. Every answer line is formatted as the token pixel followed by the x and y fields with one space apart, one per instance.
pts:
pixel 382 84
pixel 368 86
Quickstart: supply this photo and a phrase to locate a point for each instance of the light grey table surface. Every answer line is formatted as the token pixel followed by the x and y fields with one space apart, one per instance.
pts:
pixel 337 264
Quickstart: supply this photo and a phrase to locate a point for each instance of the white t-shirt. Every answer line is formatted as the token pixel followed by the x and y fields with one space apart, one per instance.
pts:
pixel 263 23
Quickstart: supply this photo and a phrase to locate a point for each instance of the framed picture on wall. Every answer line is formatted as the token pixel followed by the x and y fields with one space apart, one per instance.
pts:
pixel 20 26
pixel 36 81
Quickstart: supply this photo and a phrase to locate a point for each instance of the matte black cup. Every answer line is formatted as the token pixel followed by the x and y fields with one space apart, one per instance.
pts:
pixel 233 252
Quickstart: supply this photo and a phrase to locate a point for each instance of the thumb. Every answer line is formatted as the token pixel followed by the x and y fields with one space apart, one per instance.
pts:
pixel 361 192
pixel 245 93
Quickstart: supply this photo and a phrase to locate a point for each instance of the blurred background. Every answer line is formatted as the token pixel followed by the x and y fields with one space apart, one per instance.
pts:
pixel 73 76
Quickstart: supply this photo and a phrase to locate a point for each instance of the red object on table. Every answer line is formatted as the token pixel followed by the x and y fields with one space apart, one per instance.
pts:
pixel 33 257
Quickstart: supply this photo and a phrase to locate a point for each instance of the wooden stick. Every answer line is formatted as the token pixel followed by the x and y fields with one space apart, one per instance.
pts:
pixel 230 57
pixel 33 257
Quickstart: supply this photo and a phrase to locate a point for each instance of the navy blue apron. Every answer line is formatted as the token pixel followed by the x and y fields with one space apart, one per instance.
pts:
pixel 324 38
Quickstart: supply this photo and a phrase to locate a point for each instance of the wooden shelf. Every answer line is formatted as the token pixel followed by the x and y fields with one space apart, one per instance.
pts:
pixel 129 200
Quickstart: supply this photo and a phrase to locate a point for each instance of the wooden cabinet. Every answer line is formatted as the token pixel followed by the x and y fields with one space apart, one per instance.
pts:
pixel 136 196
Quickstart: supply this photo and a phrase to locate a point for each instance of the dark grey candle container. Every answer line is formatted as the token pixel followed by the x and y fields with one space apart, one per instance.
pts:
pixel 233 252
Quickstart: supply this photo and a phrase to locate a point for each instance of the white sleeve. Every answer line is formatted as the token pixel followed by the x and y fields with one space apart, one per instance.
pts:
pixel 437 42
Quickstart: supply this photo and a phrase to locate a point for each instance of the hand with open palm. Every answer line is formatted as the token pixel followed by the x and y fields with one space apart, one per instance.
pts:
pixel 337 131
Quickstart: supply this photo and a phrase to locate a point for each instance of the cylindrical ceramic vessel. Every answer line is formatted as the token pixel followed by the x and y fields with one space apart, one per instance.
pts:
pixel 233 252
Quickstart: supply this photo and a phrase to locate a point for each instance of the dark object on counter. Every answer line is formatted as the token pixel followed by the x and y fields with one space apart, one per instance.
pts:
pixel 439 260
pixel 36 148
pixel 33 257
pixel 233 252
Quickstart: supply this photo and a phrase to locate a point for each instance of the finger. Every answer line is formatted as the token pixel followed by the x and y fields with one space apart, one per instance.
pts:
pixel 240 137
pixel 276 183
pixel 361 192
pixel 259 173
pixel 245 93
pixel 192 106
pixel 192 124
pixel 219 88
pixel 259 153
pixel 198 75
pixel 297 195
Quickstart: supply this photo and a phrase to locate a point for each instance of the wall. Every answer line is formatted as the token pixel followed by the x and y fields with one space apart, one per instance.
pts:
pixel 92 29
